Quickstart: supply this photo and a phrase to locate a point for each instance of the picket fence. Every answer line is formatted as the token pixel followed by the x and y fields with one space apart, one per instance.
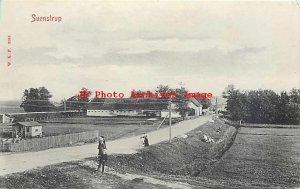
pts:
pixel 36 144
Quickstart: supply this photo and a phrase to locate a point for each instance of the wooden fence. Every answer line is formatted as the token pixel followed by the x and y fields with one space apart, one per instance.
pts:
pixel 49 142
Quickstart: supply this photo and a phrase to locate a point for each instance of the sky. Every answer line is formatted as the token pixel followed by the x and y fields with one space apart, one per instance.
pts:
pixel 124 45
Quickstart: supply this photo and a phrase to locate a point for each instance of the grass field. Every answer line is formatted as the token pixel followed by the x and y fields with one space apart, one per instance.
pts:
pixel 264 156
pixel 111 128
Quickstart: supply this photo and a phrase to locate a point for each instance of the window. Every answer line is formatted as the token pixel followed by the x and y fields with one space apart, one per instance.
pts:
pixel 27 129
pixel 36 130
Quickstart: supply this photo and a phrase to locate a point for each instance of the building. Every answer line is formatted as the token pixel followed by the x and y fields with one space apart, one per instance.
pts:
pixel 126 107
pixel 193 104
pixel 147 107
pixel 38 116
pixel 196 106
pixel 27 129
pixel 6 118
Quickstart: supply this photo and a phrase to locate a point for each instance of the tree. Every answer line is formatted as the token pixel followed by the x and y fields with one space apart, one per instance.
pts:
pixel 263 106
pixel 206 103
pixel 235 108
pixel 288 111
pixel 295 106
pixel 37 100
pixel 163 88
pixel 182 102
pixel 295 96
pixel 79 101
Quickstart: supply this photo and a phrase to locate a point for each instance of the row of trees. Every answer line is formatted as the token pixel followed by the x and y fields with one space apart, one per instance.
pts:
pixel 263 106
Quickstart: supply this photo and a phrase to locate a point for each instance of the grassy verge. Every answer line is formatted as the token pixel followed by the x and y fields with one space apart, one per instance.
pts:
pixel 187 156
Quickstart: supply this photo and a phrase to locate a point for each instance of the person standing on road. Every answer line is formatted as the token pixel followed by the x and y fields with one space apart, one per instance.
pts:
pixel 145 140
pixel 102 155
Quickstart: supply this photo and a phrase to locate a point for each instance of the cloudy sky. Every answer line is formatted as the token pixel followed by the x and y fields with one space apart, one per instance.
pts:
pixel 119 46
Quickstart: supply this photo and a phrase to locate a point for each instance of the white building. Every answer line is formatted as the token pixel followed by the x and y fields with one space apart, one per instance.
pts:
pixel 193 104
pixel 7 118
pixel 96 113
pixel 109 113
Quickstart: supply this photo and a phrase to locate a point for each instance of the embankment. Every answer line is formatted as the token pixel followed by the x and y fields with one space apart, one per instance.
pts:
pixel 187 155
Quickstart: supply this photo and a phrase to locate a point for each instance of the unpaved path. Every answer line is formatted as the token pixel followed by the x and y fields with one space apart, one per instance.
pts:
pixel 19 162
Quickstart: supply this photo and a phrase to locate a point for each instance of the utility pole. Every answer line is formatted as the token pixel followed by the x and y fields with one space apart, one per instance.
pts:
pixel 65 106
pixel 170 118
pixel 216 105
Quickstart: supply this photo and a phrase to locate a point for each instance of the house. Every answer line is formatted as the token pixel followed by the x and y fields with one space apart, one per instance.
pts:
pixel 148 107
pixel 27 129
pixel 6 118
pixel 193 104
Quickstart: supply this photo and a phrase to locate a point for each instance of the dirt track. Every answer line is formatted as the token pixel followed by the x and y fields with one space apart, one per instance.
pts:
pixel 19 162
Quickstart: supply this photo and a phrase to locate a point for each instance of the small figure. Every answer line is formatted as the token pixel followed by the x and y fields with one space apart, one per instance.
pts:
pixel 102 155
pixel 145 141
pixel 241 122
pixel 102 158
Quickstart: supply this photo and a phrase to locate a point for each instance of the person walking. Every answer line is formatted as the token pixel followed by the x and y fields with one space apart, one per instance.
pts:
pixel 102 155
pixel 145 140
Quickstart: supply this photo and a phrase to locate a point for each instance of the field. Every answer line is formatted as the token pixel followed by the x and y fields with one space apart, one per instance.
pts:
pixel 111 128
pixel 261 156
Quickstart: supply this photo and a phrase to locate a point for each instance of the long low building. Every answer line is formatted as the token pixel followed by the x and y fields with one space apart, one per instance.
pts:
pixel 138 107
pixel 37 116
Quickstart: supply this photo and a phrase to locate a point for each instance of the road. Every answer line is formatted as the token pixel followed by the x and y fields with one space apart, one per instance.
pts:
pixel 19 162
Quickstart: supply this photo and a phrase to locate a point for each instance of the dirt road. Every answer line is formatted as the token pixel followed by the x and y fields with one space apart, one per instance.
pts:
pixel 19 162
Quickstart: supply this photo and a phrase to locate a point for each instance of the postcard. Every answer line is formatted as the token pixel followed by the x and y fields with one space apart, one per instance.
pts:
pixel 149 94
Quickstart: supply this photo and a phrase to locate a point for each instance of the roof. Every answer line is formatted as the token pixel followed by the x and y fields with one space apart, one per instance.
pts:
pixel 133 103
pixel 196 102
pixel 7 115
pixel 128 104
pixel 28 124
pixel 34 113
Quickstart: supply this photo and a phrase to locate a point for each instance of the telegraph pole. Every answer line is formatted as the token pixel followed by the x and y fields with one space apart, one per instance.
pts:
pixel 170 118
pixel 65 106
pixel 216 105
